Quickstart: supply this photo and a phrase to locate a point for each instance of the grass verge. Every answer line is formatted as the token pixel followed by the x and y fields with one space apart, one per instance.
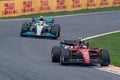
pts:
pixel 66 12
pixel 110 42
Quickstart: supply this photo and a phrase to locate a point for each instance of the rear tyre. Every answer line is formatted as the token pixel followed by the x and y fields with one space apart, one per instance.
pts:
pixel 24 29
pixel 104 57
pixel 55 53
pixel 55 30
pixel 64 56
pixel 52 20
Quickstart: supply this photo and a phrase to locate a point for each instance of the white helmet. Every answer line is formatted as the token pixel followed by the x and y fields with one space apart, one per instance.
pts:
pixel 84 46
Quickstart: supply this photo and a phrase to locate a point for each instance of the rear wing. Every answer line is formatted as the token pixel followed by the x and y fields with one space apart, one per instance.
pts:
pixel 47 20
pixel 68 42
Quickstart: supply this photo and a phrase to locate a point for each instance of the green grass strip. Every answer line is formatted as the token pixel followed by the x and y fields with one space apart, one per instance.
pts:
pixel 66 12
pixel 110 42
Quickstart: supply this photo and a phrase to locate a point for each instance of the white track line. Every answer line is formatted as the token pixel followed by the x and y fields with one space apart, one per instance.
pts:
pixel 84 38
pixel 118 73
pixel 92 13
pixel 101 35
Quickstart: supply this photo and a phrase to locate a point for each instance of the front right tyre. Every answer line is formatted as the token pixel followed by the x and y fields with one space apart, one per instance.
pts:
pixel 104 57
pixel 64 56
pixel 24 29
pixel 55 30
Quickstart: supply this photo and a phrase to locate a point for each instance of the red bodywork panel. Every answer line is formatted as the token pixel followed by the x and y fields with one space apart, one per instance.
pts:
pixel 84 52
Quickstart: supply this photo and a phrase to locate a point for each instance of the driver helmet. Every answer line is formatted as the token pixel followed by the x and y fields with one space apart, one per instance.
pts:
pixel 41 23
pixel 84 47
pixel 79 39
pixel 41 18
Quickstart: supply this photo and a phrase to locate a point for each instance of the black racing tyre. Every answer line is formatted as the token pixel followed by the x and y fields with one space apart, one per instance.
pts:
pixel 59 31
pixel 24 29
pixel 64 56
pixel 52 20
pixel 104 57
pixel 56 30
pixel 55 53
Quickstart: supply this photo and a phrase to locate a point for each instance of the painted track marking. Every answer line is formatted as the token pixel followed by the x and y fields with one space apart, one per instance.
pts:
pixel 116 70
pixel 84 38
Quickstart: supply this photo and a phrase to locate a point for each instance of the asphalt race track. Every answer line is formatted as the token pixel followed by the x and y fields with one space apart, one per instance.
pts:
pixel 29 58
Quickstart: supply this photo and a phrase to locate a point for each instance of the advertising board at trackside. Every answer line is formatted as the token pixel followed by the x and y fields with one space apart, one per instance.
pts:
pixel 25 7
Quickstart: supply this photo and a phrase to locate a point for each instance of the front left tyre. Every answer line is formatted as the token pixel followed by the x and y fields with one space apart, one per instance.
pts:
pixel 24 29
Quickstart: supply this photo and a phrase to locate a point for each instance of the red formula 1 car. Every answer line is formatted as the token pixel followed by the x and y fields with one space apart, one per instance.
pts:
pixel 72 51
